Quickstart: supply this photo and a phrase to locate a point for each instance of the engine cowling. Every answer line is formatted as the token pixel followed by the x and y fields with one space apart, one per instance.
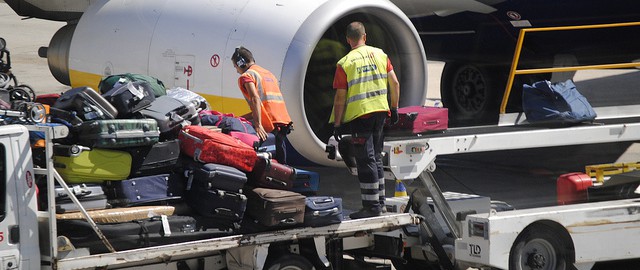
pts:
pixel 189 44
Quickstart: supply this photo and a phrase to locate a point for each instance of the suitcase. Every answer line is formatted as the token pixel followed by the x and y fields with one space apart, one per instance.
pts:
pixel 162 157
pixel 135 234
pixel 306 182
pixel 48 99
pixel 322 210
pixel 268 173
pixel 215 203
pixel 91 196
pixel 91 166
pixel 68 118
pixel 572 188
pixel 248 139
pixel 171 114
pixel 274 207
pixel 87 103
pixel 144 190
pixel 417 120
pixel 214 176
pixel 114 81
pixel 118 133
pixel 117 215
pixel 268 145
pixel 130 98
pixel 208 146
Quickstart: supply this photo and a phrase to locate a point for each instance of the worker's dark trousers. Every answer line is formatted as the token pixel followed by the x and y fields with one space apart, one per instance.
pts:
pixel 280 133
pixel 368 141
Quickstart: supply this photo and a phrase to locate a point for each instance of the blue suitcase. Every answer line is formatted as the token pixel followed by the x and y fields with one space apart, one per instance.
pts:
pixel 145 190
pixel 322 210
pixel 306 182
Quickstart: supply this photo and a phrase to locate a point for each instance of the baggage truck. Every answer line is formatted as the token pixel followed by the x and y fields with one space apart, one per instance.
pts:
pixel 29 237
pixel 480 235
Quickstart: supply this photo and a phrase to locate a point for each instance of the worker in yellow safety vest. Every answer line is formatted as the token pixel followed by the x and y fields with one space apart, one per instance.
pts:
pixel 361 81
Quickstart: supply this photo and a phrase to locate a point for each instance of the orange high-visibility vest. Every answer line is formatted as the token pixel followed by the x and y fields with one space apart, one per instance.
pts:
pixel 273 109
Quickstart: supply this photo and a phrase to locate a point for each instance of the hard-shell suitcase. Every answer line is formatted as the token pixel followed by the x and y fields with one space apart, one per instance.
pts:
pixel 214 176
pixel 172 114
pixel 91 196
pixel 135 234
pixel 130 98
pixel 274 207
pixel 144 190
pixel 267 146
pixel 226 205
pixel 306 182
pixel 78 165
pixel 87 103
pixel 118 133
pixel 419 119
pixel 572 188
pixel 208 146
pixel 161 157
pixel 322 210
pixel 268 173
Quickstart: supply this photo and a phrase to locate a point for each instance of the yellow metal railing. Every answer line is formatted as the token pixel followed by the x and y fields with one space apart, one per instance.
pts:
pixel 601 170
pixel 516 57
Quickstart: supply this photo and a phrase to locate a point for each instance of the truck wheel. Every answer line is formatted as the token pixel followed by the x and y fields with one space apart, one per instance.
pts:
pixel 290 262
pixel 539 248
pixel 470 92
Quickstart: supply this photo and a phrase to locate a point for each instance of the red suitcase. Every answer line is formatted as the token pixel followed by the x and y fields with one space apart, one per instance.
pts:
pixel 572 188
pixel 268 173
pixel 419 119
pixel 208 146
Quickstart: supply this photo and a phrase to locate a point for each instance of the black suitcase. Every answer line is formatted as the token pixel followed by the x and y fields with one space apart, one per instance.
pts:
pixel 268 173
pixel 91 196
pixel 144 190
pixel 214 176
pixel 172 114
pixel 118 133
pixel 135 234
pixel 224 205
pixel 162 157
pixel 274 207
pixel 130 98
pixel 87 103
pixel 322 210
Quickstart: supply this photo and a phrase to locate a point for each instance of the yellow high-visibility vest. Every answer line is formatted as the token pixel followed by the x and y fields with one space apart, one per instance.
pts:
pixel 366 69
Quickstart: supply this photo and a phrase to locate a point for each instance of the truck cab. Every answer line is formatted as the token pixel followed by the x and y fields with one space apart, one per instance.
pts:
pixel 19 239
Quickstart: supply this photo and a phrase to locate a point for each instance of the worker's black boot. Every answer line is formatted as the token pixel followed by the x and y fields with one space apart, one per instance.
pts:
pixel 365 213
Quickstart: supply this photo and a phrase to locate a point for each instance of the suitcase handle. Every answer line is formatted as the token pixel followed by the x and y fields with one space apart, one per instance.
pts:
pixel 288 211
pixel 226 212
pixel 323 213
pixel 288 221
pixel 279 182
pixel 323 201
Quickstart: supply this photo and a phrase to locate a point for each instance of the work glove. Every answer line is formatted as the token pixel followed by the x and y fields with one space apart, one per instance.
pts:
pixel 394 116
pixel 337 133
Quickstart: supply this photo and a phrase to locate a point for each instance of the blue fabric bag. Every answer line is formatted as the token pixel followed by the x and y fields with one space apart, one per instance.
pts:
pixel 555 103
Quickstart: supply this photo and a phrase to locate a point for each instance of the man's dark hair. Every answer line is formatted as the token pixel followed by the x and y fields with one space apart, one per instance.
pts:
pixel 355 30
pixel 244 53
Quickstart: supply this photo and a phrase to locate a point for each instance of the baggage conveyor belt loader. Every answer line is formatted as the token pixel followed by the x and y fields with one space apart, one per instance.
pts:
pixel 558 237
pixel 29 238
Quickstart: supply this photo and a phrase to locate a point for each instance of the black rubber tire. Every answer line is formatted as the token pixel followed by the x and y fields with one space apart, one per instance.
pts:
pixel 470 92
pixel 539 248
pixel 410 263
pixel 290 262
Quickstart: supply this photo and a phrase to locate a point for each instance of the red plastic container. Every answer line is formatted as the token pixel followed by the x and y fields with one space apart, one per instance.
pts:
pixel 572 188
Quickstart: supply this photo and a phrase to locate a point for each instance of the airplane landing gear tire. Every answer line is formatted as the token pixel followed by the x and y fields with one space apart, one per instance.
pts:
pixel 470 92
pixel 290 262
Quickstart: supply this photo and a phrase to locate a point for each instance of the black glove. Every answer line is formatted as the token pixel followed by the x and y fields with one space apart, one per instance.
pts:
pixel 394 116
pixel 337 133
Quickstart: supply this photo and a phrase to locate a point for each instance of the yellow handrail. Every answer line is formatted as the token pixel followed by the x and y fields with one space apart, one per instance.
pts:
pixel 516 57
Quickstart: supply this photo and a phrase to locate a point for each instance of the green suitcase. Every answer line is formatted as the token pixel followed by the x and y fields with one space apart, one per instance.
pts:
pixel 91 166
pixel 118 133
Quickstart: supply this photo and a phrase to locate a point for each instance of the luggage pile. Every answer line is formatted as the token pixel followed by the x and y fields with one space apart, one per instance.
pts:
pixel 144 159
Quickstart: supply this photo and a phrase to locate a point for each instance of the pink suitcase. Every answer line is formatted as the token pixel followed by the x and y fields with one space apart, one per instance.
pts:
pixel 208 146
pixel 572 188
pixel 419 119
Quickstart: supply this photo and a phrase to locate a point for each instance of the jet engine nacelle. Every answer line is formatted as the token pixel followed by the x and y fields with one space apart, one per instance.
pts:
pixel 189 44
